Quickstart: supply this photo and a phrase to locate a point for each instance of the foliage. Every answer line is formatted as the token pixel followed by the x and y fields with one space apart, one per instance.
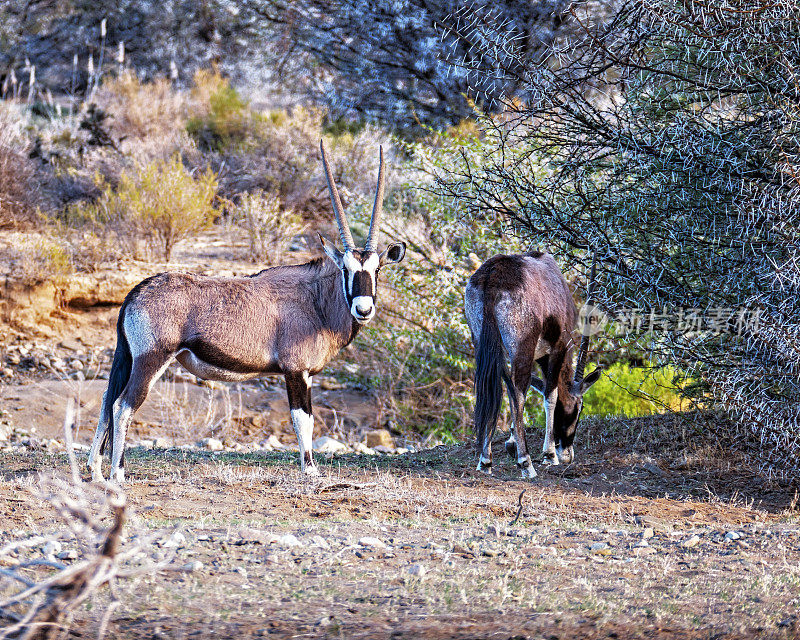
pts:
pixel 270 228
pixel 142 111
pixel 159 203
pixel 680 167
pixel 623 390
pixel 19 193
pixel 42 259
pixel 221 118
pixel 393 62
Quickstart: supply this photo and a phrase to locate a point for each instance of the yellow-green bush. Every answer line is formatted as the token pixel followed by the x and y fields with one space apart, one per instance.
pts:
pixel 156 205
pixel 221 118
pixel 630 391
pixel 42 260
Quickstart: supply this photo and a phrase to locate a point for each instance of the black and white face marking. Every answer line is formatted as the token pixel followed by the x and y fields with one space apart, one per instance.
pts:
pixel 360 275
pixel 360 280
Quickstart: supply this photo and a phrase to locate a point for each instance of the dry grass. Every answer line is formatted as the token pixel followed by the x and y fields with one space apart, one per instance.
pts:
pixel 19 191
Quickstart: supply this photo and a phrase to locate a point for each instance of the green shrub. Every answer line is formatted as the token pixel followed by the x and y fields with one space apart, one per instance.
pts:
pixel 222 119
pixel 631 391
pixel 157 205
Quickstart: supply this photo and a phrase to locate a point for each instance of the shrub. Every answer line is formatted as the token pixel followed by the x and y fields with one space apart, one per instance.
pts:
pixel 42 259
pixel 221 118
pixel 19 193
pixel 142 112
pixel 269 227
pixel 627 391
pixel 159 204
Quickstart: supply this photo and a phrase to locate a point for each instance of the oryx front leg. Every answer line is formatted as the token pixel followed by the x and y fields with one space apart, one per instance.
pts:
pixel 549 447
pixel 298 388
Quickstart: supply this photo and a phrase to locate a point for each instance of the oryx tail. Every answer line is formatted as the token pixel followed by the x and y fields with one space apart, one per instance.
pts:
pixel 490 369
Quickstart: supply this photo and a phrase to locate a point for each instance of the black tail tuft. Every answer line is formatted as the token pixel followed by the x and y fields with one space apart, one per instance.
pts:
pixel 117 379
pixel 490 370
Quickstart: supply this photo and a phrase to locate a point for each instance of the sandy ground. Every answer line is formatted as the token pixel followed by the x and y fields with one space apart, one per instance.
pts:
pixel 721 558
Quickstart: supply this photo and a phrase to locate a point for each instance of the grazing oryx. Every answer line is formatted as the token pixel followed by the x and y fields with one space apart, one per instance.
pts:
pixel 520 307
pixel 288 320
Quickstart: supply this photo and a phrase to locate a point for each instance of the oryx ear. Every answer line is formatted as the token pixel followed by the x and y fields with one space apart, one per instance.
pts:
pixel 394 253
pixel 537 384
pixel 331 251
pixel 582 387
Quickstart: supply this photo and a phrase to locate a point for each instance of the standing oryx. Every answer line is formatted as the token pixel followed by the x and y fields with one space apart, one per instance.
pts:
pixel 288 320
pixel 520 307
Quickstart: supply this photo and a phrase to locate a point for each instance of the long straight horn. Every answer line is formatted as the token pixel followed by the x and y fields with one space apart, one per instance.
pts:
pixel 583 350
pixel 377 209
pixel 338 210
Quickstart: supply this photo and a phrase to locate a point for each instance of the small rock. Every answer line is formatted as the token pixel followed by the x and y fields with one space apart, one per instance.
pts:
pixel 13 358
pixel 51 548
pixel 194 565
pixel 360 447
pixel 379 438
pixel 657 524
pixel 417 570
pixel 651 468
pixel 76 365
pixel 161 443
pixel 490 553
pixel 374 543
pixel 330 384
pixel 598 546
pixel 175 541
pixel 256 536
pixel 69 554
pixel 7 372
pixel 381 449
pixel 733 535
pixel 642 543
pixel 648 533
pixel 145 444
pixel 643 551
pixel 326 444
pixel 691 542
pixel 289 540
pixel 401 451
pixel 211 444
pixel 273 442
pixel 58 364
pixel 320 542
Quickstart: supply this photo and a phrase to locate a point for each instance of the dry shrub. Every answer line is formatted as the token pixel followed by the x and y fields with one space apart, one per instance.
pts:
pixel 286 160
pixel 152 208
pixel 270 228
pixel 19 194
pixel 148 119
pixel 41 259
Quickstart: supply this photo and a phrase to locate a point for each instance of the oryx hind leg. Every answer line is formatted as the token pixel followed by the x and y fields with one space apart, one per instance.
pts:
pixel 521 366
pixel 298 389
pixel 146 369
pixel 95 460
